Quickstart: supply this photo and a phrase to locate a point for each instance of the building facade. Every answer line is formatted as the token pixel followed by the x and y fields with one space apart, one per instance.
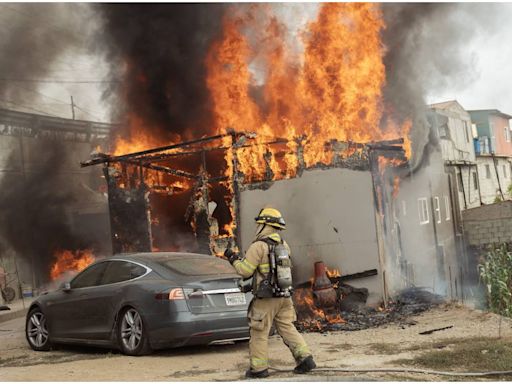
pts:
pixel 493 148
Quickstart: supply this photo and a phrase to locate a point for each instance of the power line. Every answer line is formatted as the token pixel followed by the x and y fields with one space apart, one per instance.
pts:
pixel 59 81
pixel 26 107
pixel 61 102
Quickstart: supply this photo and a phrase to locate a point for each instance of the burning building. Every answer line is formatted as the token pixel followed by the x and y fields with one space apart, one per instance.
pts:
pixel 309 128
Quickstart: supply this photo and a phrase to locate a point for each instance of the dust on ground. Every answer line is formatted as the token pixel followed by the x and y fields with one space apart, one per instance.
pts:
pixel 390 345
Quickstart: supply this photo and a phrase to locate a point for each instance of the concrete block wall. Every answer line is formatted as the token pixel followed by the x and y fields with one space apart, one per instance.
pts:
pixel 488 224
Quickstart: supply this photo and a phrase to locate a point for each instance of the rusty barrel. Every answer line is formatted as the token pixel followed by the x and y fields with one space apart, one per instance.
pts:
pixel 323 291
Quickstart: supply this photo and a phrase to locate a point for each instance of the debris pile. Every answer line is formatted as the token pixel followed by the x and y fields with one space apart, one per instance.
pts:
pixel 351 307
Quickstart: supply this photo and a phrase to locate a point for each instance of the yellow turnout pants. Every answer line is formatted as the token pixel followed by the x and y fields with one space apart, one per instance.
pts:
pixel 280 311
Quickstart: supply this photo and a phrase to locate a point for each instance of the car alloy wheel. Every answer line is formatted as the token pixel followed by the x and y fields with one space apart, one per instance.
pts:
pixel 37 331
pixel 132 334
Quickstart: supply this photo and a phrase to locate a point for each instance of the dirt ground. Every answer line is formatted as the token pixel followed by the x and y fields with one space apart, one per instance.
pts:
pixel 387 346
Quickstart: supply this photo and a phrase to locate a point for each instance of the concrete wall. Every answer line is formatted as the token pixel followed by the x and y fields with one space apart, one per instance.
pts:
pixel 330 217
pixel 427 241
pixel 489 187
pixel 488 224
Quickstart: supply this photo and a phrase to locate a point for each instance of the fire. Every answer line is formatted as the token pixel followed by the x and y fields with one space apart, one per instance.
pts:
pixel 333 272
pixel 298 102
pixel 331 91
pixel 70 261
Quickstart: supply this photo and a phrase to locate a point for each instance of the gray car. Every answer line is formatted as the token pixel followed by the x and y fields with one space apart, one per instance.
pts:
pixel 144 301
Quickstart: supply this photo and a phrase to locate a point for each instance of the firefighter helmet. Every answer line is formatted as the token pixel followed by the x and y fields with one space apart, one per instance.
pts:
pixel 272 217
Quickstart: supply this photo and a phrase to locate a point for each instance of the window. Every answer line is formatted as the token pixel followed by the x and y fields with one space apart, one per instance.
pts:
pixel 460 182
pixel 423 210
pixel 437 210
pixel 195 266
pixel 442 131
pixel 487 171
pixel 89 277
pixel 505 171
pixel 466 133
pixel 118 271
pixel 475 180
pixel 507 134
pixel 447 207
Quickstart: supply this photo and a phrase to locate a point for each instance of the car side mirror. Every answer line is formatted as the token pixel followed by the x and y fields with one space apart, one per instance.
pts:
pixel 66 287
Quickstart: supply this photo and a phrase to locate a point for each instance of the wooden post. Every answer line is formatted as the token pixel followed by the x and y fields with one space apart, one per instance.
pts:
pixel 72 108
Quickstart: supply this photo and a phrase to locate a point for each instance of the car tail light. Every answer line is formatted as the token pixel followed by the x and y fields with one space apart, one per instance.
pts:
pixel 174 294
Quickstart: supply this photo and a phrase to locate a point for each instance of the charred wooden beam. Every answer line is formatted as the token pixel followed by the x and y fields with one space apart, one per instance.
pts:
pixel 150 151
pixel 340 279
pixel 161 168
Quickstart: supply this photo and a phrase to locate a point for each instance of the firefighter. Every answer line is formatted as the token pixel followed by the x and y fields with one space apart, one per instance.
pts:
pixel 268 261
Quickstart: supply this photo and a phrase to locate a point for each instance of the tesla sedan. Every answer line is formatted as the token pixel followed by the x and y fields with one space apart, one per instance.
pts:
pixel 140 302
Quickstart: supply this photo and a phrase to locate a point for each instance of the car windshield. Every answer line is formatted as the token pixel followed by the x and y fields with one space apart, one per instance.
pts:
pixel 195 266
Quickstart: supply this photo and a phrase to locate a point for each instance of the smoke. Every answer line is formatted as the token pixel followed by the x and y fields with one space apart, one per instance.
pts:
pixel 33 38
pixel 34 220
pixel 158 52
pixel 428 48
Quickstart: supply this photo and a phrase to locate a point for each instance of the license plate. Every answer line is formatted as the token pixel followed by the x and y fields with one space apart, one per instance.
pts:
pixel 235 298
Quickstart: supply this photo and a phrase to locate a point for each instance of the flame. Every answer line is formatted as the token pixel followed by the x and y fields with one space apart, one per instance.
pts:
pixel 70 261
pixel 332 91
pixel 333 272
pixel 300 103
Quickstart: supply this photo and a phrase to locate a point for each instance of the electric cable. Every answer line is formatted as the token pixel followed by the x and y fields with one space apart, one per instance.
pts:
pixel 401 370
pixel 58 81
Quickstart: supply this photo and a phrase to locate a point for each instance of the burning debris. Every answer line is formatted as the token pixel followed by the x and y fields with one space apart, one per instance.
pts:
pixel 70 262
pixel 349 311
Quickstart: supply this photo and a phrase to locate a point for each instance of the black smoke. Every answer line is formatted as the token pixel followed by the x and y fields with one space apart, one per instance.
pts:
pixel 35 220
pixel 157 52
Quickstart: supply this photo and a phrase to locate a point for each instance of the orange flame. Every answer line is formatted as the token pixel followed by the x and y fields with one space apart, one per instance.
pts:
pixel 70 261
pixel 333 272
pixel 333 91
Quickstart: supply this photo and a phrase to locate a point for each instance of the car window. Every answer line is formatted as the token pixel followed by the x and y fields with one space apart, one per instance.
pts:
pixel 195 266
pixel 121 271
pixel 89 277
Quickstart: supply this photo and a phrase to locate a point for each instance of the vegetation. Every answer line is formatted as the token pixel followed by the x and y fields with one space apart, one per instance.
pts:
pixel 496 274
pixel 509 189
pixel 477 354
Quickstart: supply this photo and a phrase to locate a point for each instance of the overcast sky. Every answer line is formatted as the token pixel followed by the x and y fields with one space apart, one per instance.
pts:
pixel 487 83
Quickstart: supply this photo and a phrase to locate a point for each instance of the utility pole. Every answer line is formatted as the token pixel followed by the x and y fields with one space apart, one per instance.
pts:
pixel 72 108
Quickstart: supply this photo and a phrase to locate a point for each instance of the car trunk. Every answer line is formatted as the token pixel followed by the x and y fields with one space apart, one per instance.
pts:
pixel 215 294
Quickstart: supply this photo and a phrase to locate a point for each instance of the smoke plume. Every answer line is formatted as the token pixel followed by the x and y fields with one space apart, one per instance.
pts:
pixel 428 49
pixel 34 220
pixel 33 38
pixel 158 52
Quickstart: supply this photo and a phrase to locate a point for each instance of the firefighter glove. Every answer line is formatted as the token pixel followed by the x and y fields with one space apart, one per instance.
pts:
pixel 231 255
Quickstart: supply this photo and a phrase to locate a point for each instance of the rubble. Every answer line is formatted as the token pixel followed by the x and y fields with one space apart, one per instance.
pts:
pixel 408 302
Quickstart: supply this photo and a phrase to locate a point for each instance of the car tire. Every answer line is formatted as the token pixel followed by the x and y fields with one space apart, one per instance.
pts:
pixel 36 330
pixel 132 336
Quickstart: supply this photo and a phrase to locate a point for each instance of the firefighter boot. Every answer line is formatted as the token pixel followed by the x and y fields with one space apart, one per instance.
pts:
pixel 305 365
pixel 250 374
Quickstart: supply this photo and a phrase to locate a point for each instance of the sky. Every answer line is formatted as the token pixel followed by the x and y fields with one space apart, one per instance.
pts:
pixel 486 82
